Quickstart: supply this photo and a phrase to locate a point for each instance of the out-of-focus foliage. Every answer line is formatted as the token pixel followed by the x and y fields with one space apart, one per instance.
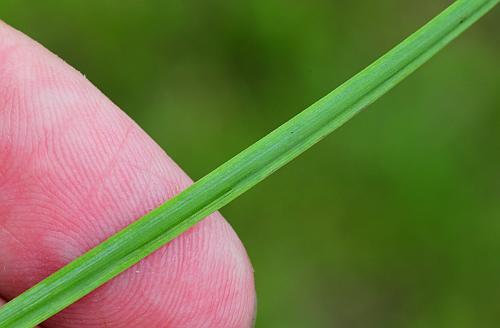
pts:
pixel 405 233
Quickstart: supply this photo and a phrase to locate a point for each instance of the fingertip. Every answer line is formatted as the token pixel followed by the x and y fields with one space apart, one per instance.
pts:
pixel 89 171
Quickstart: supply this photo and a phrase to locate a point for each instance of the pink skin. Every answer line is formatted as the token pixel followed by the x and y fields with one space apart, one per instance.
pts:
pixel 75 169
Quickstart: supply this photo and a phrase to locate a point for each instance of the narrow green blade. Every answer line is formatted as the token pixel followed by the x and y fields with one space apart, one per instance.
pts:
pixel 242 172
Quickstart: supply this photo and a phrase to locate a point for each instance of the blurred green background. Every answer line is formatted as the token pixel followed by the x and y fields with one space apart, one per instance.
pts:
pixel 393 221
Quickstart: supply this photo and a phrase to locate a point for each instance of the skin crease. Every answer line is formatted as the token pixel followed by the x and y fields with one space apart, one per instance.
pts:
pixel 75 169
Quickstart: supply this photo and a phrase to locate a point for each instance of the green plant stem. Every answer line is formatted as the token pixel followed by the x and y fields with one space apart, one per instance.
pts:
pixel 245 170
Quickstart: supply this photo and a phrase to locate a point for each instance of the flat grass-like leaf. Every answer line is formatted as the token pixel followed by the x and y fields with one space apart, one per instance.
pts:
pixel 242 172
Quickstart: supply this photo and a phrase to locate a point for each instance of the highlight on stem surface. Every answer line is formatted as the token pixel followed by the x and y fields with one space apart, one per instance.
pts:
pixel 239 174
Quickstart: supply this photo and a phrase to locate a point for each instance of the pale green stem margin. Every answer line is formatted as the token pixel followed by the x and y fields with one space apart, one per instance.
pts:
pixel 240 173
